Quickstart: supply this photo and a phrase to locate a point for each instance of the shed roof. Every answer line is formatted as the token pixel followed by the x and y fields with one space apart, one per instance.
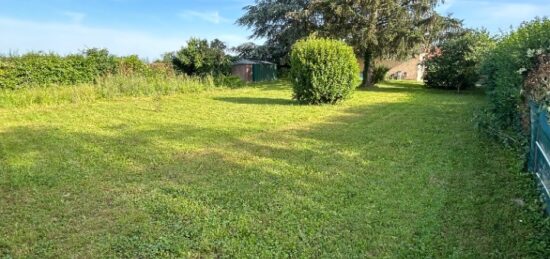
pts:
pixel 251 62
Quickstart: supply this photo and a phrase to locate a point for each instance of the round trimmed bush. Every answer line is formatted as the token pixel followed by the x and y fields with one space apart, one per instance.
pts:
pixel 323 71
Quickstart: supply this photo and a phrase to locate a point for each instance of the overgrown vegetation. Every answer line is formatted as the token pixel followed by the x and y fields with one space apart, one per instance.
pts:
pixel 379 74
pixel 94 74
pixel 43 69
pixel 505 69
pixel 455 63
pixel 323 71
pixel 248 172
pixel 201 58
pixel 110 87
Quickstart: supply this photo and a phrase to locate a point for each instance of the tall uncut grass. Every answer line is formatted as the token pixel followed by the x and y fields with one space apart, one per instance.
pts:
pixel 108 87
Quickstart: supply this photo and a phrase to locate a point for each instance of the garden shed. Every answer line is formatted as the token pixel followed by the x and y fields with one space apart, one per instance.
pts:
pixel 254 71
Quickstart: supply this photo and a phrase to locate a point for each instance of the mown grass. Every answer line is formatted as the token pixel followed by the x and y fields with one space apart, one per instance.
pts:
pixel 396 171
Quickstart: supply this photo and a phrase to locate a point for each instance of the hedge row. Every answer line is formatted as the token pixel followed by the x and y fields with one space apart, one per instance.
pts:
pixel 506 68
pixel 44 69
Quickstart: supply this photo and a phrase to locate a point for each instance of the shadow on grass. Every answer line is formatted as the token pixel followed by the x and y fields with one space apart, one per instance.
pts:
pixel 387 178
pixel 257 100
pixel 399 86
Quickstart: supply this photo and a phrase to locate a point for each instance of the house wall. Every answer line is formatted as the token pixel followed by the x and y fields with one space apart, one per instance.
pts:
pixel 412 67
pixel 244 72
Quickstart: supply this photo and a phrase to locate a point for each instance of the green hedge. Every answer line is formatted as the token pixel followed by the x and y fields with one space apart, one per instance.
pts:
pixel 323 71
pixel 505 69
pixel 454 64
pixel 45 69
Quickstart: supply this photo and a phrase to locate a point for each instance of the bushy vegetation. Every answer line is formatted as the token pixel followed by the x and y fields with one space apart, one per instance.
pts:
pixel 379 74
pixel 505 69
pixel 43 69
pixel 49 78
pixel 49 69
pixel 455 63
pixel 323 71
pixel 108 87
pixel 201 58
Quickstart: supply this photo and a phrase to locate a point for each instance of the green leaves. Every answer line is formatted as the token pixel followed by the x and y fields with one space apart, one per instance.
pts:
pixel 503 82
pixel 45 69
pixel 455 63
pixel 201 58
pixel 323 71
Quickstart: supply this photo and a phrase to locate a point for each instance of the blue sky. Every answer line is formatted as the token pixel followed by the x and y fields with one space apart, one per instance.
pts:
pixel 152 27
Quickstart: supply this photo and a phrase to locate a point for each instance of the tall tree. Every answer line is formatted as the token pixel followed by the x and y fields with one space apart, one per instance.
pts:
pixel 281 23
pixel 440 28
pixel 200 57
pixel 377 28
pixel 252 51
pixel 374 28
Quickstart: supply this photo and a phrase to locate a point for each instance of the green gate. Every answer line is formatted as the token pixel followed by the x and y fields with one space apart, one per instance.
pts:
pixel 264 72
pixel 539 155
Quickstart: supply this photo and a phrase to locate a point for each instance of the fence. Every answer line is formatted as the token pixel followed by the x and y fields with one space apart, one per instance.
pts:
pixel 539 155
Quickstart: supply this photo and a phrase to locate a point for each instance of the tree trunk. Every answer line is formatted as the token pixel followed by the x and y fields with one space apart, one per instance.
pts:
pixel 368 70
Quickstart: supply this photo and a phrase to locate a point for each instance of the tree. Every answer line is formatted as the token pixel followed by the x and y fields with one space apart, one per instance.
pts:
pixel 440 28
pixel 201 58
pixel 281 23
pixel 252 51
pixel 377 28
pixel 374 28
pixel 246 50
pixel 455 63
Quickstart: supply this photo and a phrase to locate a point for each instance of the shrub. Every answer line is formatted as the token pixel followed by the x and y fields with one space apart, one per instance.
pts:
pixel 323 71
pixel 454 64
pixel 43 69
pixel 504 70
pixel 107 87
pixel 132 65
pixel 201 58
pixel 379 74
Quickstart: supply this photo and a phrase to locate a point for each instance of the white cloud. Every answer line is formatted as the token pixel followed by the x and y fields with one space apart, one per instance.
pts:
pixel 495 15
pixel 21 36
pixel 75 17
pixel 211 17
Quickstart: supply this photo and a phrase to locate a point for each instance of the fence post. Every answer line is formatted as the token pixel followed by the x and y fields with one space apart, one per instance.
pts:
pixel 534 130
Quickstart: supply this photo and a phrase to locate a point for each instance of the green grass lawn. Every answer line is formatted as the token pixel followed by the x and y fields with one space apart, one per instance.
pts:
pixel 397 171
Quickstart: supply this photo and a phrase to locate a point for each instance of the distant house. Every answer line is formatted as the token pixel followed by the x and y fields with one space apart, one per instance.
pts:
pixel 254 71
pixel 409 69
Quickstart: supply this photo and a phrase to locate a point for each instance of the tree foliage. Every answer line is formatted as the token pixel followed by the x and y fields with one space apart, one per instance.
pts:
pixel 378 28
pixel 505 70
pixel 281 23
pixel 323 71
pixel 374 28
pixel 252 51
pixel 455 63
pixel 200 57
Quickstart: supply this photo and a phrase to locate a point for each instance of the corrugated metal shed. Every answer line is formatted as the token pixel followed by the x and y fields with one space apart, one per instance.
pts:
pixel 254 71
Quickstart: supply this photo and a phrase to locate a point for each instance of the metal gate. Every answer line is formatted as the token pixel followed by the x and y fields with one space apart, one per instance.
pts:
pixel 539 155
